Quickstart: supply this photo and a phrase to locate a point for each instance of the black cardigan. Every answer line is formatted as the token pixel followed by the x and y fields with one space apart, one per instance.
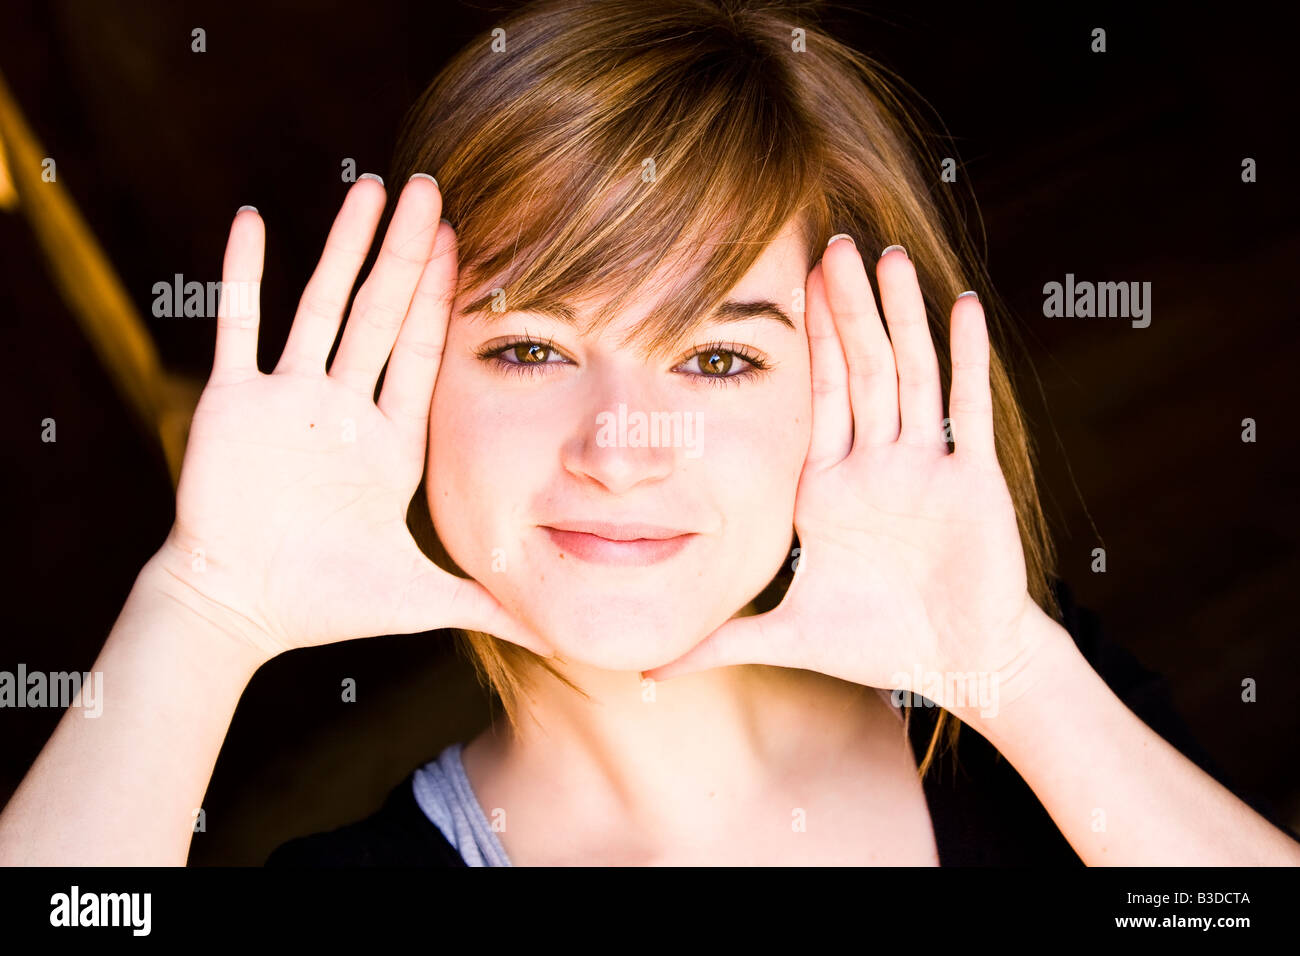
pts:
pixel 983 812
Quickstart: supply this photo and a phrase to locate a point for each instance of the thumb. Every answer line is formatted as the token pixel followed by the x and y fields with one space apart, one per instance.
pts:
pixel 742 640
pixel 457 602
pixel 474 608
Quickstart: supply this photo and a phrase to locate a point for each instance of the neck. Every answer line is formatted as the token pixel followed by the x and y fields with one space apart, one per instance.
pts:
pixel 677 759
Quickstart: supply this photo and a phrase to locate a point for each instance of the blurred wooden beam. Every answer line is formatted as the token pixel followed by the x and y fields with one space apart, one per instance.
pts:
pixel 162 403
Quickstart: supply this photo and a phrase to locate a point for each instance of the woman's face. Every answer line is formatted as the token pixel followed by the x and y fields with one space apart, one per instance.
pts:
pixel 530 446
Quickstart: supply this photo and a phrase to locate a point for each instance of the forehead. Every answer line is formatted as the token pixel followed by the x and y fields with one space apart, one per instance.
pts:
pixel 783 262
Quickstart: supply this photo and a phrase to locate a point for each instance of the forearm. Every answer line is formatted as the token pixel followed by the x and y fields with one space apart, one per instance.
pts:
pixel 1118 792
pixel 121 788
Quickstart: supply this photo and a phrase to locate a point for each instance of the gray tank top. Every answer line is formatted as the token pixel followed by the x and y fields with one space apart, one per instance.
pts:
pixel 444 794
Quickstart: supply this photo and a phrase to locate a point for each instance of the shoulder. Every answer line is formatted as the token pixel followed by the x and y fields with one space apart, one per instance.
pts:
pixel 397 834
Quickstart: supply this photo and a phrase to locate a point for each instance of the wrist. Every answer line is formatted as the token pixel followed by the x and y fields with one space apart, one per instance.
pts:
pixel 1045 654
pixel 163 592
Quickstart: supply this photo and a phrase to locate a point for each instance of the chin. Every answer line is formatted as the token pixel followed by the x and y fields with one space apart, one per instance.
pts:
pixel 608 637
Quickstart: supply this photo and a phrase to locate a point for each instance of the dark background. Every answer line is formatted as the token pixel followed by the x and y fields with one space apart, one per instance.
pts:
pixel 1123 166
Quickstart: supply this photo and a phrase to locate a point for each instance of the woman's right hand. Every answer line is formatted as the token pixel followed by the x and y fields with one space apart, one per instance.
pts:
pixel 290 525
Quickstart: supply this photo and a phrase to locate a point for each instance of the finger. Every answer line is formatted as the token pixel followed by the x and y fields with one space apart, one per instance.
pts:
pixel 920 395
pixel 413 367
pixel 435 598
pixel 385 297
pixel 832 412
pixel 239 313
pixel 320 310
pixel 472 608
pixel 873 381
pixel 970 403
pixel 756 639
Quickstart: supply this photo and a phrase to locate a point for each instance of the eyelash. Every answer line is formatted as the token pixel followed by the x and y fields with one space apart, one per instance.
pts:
pixel 492 355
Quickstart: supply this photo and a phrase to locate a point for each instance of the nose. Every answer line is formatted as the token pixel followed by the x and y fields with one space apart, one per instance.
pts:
pixel 624 437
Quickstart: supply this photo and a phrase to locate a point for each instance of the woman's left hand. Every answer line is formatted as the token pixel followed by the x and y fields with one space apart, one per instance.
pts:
pixel 911 567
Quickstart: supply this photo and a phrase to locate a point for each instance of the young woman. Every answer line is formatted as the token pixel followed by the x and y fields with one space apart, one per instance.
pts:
pixel 642 199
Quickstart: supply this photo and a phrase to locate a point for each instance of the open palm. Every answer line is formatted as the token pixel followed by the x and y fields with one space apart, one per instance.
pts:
pixel 292 501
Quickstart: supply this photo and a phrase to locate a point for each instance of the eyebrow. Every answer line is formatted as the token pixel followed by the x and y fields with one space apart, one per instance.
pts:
pixel 730 311
pixel 733 311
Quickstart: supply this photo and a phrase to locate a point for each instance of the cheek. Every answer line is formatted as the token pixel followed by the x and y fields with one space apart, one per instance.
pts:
pixel 777 425
pixel 483 471
pixel 777 431
pixel 463 475
pixel 754 455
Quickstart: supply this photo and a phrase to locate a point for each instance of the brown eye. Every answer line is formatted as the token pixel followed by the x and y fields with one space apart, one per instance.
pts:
pixel 716 361
pixel 530 353
pixel 724 363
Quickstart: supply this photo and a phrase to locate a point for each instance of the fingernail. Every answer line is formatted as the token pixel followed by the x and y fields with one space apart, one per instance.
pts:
pixel 242 208
pixel 425 176
pixel 889 249
pixel 839 235
pixel 447 221
pixel 964 294
pixel 378 179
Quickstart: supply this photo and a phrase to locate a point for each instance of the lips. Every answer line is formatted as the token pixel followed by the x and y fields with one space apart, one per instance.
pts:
pixel 626 545
pixel 619 531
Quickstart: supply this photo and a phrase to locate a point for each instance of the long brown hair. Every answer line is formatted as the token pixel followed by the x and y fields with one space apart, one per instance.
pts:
pixel 581 146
